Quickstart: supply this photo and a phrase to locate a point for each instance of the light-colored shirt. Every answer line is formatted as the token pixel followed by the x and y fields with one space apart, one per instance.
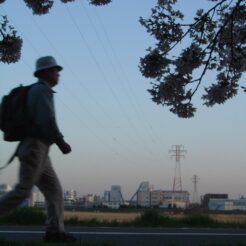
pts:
pixel 41 111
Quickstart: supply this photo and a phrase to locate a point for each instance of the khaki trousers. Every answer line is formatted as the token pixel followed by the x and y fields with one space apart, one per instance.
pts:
pixel 36 169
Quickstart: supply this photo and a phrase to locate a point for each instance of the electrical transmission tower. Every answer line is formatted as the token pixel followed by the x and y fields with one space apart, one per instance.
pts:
pixel 177 152
pixel 195 193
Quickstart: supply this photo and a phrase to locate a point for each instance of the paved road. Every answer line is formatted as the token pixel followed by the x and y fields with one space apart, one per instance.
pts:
pixel 135 236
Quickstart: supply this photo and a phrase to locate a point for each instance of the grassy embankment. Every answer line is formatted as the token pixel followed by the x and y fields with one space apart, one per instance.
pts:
pixel 148 218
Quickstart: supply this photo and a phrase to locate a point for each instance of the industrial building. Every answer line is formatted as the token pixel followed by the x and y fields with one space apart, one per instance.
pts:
pixel 175 199
pixel 207 197
pixel 170 199
pixel 113 198
pixel 146 197
pixel 156 198
pixel 227 204
pixel 141 197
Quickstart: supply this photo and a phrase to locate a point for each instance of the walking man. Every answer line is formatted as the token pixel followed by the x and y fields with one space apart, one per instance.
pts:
pixel 33 152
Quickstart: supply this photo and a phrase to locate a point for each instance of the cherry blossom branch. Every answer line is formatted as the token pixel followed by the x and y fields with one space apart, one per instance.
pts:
pixel 214 42
pixel 2 32
pixel 193 24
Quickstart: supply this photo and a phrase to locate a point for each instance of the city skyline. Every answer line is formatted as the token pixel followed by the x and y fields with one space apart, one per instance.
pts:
pixel 145 196
pixel 118 135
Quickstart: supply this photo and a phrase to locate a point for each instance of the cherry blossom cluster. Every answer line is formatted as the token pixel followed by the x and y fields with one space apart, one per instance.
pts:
pixel 10 43
pixel 39 7
pixel 100 2
pixel 216 41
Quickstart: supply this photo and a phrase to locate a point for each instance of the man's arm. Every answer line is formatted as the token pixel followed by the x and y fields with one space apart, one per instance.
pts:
pixel 43 116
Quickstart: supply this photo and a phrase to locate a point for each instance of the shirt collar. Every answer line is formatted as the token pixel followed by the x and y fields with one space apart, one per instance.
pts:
pixel 47 84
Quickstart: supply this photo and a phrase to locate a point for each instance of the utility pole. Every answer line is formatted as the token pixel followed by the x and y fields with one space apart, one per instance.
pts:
pixel 177 152
pixel 195 193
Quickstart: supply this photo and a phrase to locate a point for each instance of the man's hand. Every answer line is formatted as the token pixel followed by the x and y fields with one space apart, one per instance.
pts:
pixel 64 147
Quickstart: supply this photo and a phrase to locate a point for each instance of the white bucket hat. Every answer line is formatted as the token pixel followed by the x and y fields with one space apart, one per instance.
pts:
pixel 44 63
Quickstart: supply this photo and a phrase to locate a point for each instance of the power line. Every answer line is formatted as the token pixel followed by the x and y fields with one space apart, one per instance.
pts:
pixel 99 139
pixel 107 54
pixel 120 78
pixel 131 94
pixel 103 75
pixel 118 75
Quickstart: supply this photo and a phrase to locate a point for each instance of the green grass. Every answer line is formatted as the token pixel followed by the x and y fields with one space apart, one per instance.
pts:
pixel 199 220
pixel 152 218
pixel 24 216
pixel 149 218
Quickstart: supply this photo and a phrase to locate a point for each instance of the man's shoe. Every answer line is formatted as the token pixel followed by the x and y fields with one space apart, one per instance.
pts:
pixel 59 237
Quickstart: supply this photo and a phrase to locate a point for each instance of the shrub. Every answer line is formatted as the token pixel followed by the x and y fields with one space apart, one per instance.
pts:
pixel 199 220
pixel 153 218
pixel 24 216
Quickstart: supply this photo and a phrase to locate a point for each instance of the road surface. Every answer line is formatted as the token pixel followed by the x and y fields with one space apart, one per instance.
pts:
pixel 134 236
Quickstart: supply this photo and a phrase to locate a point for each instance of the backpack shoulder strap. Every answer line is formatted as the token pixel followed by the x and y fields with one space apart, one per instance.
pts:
pixel 11 158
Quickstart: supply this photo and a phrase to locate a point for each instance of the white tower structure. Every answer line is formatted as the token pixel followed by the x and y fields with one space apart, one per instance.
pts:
pixel 195 198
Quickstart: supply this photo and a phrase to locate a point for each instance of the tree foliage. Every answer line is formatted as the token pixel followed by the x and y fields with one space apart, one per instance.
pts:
pixel 217 42
pixel 11 43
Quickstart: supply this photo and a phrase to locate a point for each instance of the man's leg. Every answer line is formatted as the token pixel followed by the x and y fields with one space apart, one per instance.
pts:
pixel 50 186
pixel 32 155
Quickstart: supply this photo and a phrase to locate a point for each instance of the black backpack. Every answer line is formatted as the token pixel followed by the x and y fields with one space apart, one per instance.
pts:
pixel 14 120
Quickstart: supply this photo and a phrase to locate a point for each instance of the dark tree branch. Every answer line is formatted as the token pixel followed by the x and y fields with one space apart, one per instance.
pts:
pixel 193 24
pixel 2 33
pixel 214 42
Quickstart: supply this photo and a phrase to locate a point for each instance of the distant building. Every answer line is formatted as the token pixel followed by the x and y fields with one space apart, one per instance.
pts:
pixel 181 199
pixel 207 197
pixel 156 197
pixel 106 196
pixel 97 201
pixel 115 194
pixel 86 201
pixel 175 199
pixel 4 188
pixel 31 201
pixel 227 204
pixel 147 197
pixel 143 194
pixel 113 198
pixel 70 195
pixel 169 199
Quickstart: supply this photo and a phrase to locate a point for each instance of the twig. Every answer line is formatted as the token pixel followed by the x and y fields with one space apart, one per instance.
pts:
pixel 193 24
pixel 214 42
pixel 2 33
